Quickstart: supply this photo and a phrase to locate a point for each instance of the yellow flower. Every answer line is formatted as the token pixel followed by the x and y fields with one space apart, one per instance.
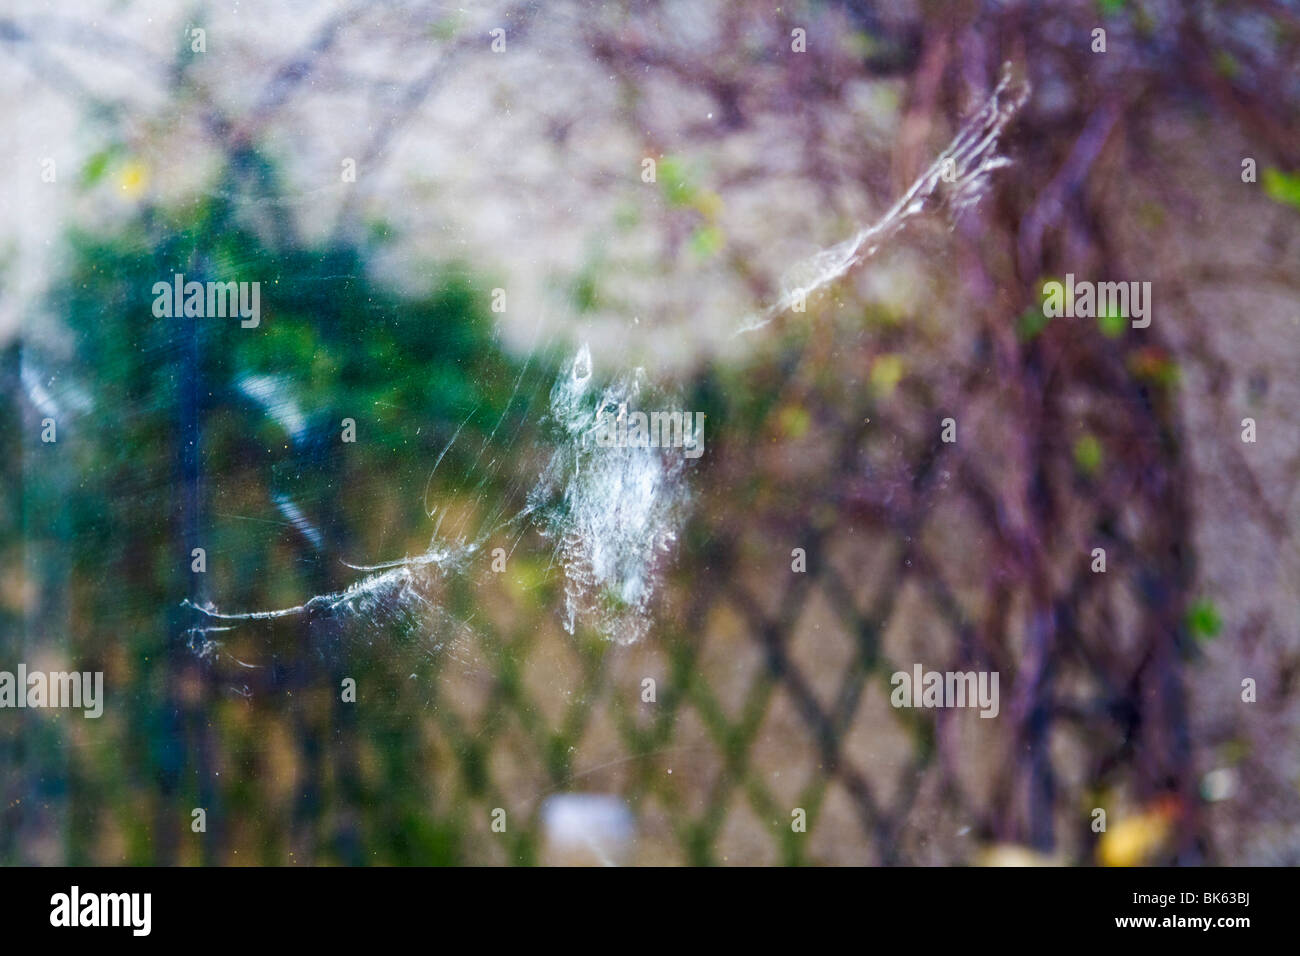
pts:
pixel 133 178
pixel 886 372
pixel 1137 840
pixel 1009 854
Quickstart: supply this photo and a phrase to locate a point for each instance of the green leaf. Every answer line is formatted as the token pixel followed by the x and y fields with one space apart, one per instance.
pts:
pixel 1111 323
pixel 1088 455
pixel 1203 620
pixel 1032 323
pixel 97 165
pixel 1282 187
pixel 674 182
pixel 706 241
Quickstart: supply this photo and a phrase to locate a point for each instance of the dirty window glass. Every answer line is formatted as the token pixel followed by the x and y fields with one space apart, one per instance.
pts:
pixel 662 433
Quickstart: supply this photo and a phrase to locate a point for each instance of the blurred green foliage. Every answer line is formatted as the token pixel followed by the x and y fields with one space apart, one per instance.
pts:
pixel 169 450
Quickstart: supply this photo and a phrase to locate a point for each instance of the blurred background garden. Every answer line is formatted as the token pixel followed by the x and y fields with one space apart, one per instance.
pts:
pixel 442 205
